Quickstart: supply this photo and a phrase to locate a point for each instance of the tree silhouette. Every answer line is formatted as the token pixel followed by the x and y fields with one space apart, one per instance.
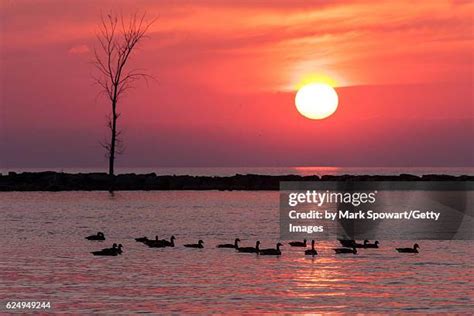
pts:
pixel 117 39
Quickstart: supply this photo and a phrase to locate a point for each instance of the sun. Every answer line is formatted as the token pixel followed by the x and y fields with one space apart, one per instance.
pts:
pixel 316 101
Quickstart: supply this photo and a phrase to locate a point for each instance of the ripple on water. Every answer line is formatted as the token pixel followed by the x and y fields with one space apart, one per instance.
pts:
pixel 55 264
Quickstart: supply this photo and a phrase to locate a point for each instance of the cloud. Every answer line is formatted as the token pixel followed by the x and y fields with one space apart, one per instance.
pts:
pixel 79 49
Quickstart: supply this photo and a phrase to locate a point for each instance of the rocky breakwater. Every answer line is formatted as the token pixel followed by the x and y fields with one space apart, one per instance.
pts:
pixel 58 181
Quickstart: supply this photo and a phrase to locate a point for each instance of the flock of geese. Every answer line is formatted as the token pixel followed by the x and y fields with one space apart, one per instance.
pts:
pixel 349 246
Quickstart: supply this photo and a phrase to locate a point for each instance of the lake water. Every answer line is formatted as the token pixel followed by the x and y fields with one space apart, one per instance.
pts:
pixel 44 257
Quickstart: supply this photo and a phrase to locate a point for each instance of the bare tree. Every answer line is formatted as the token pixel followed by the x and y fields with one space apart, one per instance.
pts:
pixel 117 39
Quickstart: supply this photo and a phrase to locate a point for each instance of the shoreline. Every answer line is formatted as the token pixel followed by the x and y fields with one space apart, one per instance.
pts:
pixel 59 181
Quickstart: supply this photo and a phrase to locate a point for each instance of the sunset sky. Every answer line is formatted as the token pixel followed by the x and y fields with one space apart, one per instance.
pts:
pixel 226 74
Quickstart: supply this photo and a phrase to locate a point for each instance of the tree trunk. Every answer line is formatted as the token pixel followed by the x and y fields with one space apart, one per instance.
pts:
pixel 113 140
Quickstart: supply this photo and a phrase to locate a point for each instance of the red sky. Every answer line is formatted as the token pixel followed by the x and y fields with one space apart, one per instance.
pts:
pixel 226 73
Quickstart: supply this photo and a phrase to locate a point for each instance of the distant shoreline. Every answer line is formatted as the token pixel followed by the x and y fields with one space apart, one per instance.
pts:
pixel 58 181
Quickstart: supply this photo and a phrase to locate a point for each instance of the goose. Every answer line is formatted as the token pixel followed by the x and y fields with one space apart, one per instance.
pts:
pixel 347 242
pixel 198 245
pixel 114 251
pixel 271 251
pixel 235 245
pixel 161 243
pixel 98 236
pixel 312 251
pixel 357 245
pixel 374 245
pixel 152 242
pixel 298 243
pixel 141 239
pixel 345 250
pixel 409 250
pixel 250 249
pixel 166 243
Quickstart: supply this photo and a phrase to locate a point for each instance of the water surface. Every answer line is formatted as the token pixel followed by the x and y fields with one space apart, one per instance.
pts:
pixel 44 256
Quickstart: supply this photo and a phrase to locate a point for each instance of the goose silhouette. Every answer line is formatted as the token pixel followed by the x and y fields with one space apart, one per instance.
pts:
pixel 357 245
pixel 369 245
pixel 312 251
pixel 99 236
pixel 166 243
pixel 349 243
pixel 409 250
pixel 298 243
pixel 114 251
pixel 161 243
pixel 250 249
pixel 341 251
pixel 235 245
pixel 198 245
pixel 152 242
pixel 141 239
pixel 271 251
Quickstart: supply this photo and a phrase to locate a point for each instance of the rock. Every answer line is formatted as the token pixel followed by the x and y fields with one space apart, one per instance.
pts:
pixel 58 181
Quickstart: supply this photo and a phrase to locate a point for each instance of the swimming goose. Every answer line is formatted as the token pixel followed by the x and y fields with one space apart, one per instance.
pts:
pixel 99 236
pixel 374 245
pixel 114 251
pixel 357 245
pixel 347 242
pixel 271 252
pixel 345 250
pixel 198 245
pixel 235 245
pixel 152 242
pixel 409 250
pixel 167 243
pixel 250 249
pixel 298 243
pixel 312 251
pixel 161 243
pixel 141 239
